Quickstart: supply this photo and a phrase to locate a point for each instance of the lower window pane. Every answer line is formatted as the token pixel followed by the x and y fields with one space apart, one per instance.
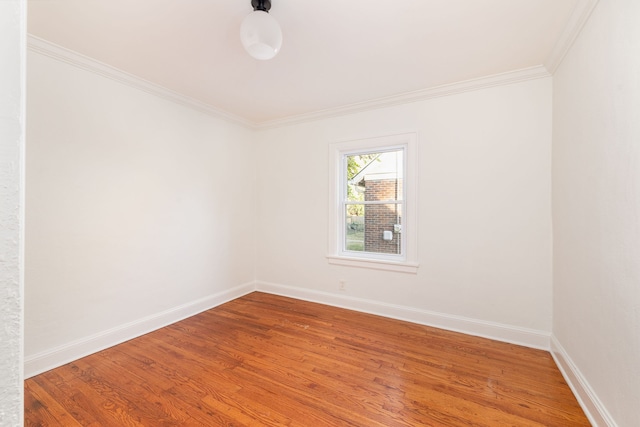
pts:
pixel 374 228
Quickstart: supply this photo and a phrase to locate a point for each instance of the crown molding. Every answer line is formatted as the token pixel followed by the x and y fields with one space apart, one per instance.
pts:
pixel 500 79
pixel 59 53
pixel 579 17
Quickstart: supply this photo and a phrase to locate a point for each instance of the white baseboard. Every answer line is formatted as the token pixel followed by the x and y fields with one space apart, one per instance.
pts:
pixel 58 356
pixel 500 332
pixel 588 400
pixel 69 352
pixel 591 405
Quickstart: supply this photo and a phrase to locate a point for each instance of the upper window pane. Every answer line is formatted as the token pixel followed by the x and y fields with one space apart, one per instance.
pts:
pixel 381 171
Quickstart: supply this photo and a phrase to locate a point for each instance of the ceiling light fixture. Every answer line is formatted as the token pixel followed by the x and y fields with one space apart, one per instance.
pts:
pixel 260 33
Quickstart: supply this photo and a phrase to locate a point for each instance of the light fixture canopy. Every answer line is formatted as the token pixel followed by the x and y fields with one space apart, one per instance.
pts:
pixel 260 33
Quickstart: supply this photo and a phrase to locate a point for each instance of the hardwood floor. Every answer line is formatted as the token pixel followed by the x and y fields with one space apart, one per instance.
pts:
pixel 265 360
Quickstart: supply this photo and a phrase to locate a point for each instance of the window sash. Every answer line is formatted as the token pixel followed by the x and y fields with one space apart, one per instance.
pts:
pixel 375 202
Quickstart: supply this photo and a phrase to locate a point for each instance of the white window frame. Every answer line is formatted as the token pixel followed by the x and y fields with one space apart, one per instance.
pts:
pixel 407 262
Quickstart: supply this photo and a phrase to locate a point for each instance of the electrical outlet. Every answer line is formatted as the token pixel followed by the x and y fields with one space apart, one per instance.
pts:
pixel 342 285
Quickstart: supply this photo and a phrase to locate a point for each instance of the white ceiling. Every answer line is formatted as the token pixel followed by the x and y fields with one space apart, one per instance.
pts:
pixel 335 53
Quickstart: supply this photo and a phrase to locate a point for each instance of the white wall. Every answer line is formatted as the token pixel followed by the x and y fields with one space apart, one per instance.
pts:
pixel 596 210
pixel 484 212
pixel 12 135
pixel 138 211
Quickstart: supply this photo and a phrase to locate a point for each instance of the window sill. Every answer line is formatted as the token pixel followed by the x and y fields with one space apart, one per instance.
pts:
pixel 374 264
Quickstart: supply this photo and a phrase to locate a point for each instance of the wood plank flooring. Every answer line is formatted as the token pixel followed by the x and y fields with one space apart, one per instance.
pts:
pixel 265 360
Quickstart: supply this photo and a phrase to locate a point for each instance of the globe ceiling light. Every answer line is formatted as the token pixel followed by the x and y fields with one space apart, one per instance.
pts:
pixel 260 33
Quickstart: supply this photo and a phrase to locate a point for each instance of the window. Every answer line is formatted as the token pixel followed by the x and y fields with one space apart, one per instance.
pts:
pixel 373 203
pixel 372 188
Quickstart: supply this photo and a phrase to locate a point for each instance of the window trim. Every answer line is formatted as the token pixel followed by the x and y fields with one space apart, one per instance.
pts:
pixel 408 261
